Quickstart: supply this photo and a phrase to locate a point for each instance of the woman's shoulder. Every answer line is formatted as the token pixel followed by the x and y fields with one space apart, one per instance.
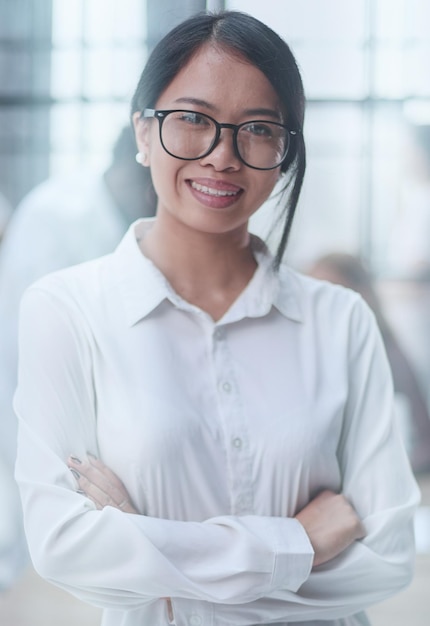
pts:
pixel 78 276
pixel 337 318
pixel 78 287
pixel 311 290
pixel 322 302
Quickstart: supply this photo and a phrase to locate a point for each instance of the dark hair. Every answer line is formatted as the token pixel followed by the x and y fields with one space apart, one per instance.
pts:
pixel 244 35
pixel 124 148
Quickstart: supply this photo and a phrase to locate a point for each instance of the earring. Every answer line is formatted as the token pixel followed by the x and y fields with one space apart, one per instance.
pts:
pixel 141 158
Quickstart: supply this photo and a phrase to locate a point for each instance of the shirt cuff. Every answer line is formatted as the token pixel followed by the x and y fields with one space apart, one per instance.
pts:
pixel 295 557
pixel 294 554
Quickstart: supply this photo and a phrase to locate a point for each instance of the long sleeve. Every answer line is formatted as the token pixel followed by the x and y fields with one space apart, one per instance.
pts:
pixel 107 557
pixel 63 220
pixel 378 482
pixel 21 263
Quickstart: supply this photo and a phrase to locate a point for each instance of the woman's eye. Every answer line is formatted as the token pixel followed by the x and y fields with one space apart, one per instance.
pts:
pixel 196 119
pixel 259 129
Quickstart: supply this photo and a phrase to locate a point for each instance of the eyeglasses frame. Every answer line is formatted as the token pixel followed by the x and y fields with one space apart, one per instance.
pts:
pixel 161 114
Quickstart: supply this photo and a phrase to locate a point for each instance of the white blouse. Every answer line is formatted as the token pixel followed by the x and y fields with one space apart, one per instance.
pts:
pixel 221 433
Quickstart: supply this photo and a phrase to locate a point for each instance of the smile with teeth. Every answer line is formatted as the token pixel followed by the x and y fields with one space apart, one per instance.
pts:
pixel 212 192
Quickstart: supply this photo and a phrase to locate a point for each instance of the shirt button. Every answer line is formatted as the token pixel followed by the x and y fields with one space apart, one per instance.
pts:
pixel 195 620
pixel 243 503
pixel 226 387
pixel 237 442
pixel 218 333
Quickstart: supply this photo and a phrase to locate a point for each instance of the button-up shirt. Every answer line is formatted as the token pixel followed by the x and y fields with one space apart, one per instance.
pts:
pixel 221 432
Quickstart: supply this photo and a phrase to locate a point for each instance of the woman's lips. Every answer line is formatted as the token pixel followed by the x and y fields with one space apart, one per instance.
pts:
pixel 215 194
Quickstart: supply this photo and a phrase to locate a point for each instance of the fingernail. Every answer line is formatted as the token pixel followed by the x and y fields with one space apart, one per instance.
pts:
pixel 93 456
pixel 75 473
pixel 76 460
pixel 82 493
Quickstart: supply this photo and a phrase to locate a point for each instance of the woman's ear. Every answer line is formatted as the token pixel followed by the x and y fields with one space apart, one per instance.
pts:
pixel 141 131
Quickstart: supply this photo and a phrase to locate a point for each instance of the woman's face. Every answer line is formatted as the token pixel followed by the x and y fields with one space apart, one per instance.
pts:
pixel 217 193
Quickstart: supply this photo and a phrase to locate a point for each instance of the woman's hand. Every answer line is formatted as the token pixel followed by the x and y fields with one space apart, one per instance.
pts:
pixel 100 484
pixel 331 524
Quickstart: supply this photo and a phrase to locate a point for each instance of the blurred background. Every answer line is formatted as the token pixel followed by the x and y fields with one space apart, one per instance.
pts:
pixel 68 69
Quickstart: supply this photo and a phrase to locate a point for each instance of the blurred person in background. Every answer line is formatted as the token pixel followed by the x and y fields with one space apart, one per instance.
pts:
pixel 407 254
pixel 350 271
pixel 61 222
pixel 5 214
pixel 408 245
pixel 13 549
pixel 13 554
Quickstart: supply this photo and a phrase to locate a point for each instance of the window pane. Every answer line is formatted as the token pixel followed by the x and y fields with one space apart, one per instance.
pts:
pixel 98 54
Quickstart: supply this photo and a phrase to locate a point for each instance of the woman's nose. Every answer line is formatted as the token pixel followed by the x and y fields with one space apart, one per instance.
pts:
pixel 223 155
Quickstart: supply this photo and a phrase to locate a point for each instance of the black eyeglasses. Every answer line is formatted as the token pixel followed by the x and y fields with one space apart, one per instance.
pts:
pixel 190 135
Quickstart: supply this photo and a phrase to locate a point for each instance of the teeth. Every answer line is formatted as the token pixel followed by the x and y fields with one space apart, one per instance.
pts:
pixel 212 192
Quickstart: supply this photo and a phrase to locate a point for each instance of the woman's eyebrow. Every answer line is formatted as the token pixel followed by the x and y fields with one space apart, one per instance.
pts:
pixel 260 111
pixel 196 102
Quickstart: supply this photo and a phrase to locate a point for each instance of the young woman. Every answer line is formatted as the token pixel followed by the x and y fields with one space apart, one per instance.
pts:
pixel 228 422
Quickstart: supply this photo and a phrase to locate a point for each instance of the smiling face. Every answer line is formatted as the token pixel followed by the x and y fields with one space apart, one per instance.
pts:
pixel 217 193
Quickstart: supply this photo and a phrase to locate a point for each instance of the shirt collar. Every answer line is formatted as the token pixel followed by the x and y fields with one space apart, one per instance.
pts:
pixel 143 287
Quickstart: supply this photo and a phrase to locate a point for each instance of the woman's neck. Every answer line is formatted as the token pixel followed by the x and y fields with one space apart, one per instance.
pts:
pixel 208 270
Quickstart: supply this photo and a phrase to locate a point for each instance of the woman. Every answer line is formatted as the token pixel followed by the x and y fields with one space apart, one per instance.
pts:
pixel 227 421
